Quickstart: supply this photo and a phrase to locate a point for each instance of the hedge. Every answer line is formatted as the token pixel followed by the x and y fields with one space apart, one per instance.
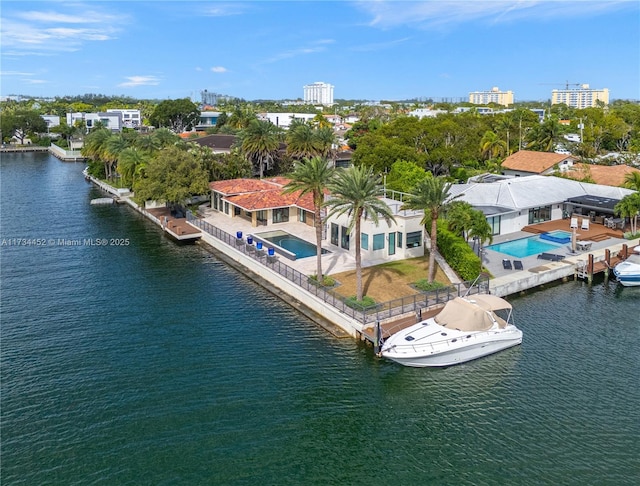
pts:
pixel 458 253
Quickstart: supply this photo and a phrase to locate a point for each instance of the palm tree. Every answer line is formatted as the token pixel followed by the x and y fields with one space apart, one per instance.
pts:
pixel 491 146
pixel 480 229
pixel 545 135
pixel 356 192
pixel 430 195
pixel 632 180
pixel 165 137
pixel 312 176
pixel 302 142
pixel 326 143
pixel 114 146
pixel 260 143
pixel 629 207
pixel 129 162
pixel 95 146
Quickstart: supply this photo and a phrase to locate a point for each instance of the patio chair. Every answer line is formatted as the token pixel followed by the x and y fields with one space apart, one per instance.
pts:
pixel 506 264
pixel 574 223
pixel 585 224
pixel 517 264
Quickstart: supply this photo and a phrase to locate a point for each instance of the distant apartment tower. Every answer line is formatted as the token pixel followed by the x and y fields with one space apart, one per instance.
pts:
pixel 583 97
pixel 504 98
pixel 318 93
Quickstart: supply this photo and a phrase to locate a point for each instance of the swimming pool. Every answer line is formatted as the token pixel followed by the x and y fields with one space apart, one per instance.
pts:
pixel 297 246
pixel 525 247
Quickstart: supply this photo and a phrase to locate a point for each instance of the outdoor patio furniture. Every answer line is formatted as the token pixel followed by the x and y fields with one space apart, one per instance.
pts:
pixel 506 264
pixel 585 224
pixel 584 245
pixel 550 256
pixel 574 223
pixel 517 264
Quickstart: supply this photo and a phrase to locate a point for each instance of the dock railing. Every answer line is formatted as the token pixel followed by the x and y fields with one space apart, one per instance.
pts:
pixel 363 314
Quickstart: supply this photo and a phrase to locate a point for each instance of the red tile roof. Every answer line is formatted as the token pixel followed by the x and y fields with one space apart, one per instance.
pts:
pixel 606 175
pixel 534 162
pixel 259 194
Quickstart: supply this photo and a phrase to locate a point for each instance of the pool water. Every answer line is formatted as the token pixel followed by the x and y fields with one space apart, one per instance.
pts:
pixel 525 247
pixel 297 246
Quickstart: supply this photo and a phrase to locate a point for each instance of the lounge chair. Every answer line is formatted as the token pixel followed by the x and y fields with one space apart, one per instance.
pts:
pixel 585 224
pixel 550 256
pixel 506 264
pixel 574 223
pixel 517 264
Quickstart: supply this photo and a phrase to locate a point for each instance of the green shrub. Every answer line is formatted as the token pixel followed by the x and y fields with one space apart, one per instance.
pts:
pixel 326 280
pixel 426 286
pixel 365 304
pixel 458 253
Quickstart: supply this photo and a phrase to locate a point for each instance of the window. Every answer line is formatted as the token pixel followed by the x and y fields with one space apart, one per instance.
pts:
pixel 364 241
pixel 334 234
pixel 414 239
pixel 226 207
pixel 494 222
pixel 302 215
pixel 538 215
pixel 392 243
pixel 344 240
pixel 261 217
pixel 399 239
pixel 378 241
pixel 281 215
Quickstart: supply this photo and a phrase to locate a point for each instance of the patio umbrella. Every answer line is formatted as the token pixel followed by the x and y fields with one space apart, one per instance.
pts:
pixel 574 237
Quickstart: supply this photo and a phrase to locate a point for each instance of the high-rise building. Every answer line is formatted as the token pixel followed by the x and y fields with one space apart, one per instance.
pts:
pixel 583 97
pixel 504 98
pixel 318 93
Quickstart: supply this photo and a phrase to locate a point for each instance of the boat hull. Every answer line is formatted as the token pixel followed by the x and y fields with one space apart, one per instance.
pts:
pixel 473 348
pixel 627 273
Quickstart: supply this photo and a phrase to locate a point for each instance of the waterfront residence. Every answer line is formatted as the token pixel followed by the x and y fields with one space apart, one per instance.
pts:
pixel 529 162
pixel 261 202
pixel 510 204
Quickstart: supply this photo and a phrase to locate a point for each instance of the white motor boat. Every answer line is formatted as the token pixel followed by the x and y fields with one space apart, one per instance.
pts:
pixel 627 272
pixel 465 329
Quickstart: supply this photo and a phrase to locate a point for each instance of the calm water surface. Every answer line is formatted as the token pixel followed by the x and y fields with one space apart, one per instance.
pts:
pixel 152 363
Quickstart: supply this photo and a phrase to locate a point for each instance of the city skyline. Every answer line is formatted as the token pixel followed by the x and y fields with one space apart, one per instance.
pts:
pixel 391 50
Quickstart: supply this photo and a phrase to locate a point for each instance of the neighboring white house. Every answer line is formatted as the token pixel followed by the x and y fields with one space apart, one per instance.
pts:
pixel 130 118
pixel 112 121
pixel 283 120
pixel 510 204
pixel 51 121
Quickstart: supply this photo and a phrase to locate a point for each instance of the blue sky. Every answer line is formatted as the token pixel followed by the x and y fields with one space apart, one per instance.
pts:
pixel 367 49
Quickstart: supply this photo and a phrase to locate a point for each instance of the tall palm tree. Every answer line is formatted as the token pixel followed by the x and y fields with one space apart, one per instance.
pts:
pixel 95 146
pixel 260 143
pixel 312 176
pixel 326 143
pixel 165 137
pixel 430 195
pixel 480 229
pixel 491 146
pixel 357 193
pixel 302 142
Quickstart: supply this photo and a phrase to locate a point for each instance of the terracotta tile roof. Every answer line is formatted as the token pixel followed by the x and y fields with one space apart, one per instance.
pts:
pixel 258 194
pixel 534 162
pixel 606 175
pixel 241 186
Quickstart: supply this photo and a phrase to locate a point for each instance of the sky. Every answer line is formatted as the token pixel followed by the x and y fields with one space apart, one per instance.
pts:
pixel 368 50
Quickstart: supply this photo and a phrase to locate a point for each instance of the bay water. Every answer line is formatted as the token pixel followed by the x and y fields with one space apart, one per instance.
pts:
pixel 128 359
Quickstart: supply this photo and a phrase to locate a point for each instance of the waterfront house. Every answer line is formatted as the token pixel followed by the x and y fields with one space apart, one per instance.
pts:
pixel 262 202
pixel 529 162
pixel 510 204
pixel 608 175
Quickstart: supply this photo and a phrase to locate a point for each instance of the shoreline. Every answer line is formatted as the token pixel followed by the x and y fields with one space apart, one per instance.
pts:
pixel 335 321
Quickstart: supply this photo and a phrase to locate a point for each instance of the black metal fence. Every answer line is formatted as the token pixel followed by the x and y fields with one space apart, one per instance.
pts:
pixel 363 314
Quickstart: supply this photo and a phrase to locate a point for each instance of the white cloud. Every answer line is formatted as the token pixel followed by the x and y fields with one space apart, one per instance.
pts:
pixel 379 45
pixel 218 69
pixel 134 81
pixel 440 13
pixel 223 9
pixel 49 32
pixel 315 47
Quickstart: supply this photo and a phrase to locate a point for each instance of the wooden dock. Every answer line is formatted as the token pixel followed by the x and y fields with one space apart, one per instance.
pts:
pixel 177 228
pixel 592 267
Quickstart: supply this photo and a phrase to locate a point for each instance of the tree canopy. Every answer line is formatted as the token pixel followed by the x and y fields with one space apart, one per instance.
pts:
pixel 177 115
